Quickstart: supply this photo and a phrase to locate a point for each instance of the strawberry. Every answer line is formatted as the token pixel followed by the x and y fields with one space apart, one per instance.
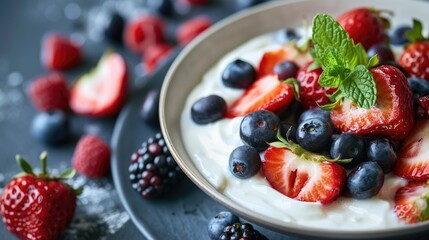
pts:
pixel 267 93
pixel 101 92
pixel 38 206
pixel 49 92
pixel 59 52
pixel 364 26
pixel 300 177
pixel 92 157
pixel 415 58
pixel 154 55
pixel 413 156
pixel 392 116
pixel 191 28
pixel 142 32
pixel 312 94
pixel 269 60
pixel 411 202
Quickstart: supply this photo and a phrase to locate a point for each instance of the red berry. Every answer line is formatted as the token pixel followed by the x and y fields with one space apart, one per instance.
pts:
pixel 154 55
pixel 192 28
pixel 415 60
pixel 364 26
pixel 49 92
pixel 59 52
pixel 194 2
pixel 312 94
pixel 92 157
pixel 142 32
pixel 392 116
pixel 269 60
pixel 411 202
pixel 423 107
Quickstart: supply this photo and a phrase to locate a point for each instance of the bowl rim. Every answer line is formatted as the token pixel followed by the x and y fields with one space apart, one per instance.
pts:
pixel 295 229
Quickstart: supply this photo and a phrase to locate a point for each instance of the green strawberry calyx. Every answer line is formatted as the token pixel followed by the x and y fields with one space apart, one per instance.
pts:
pixel 27 169
pixel 415 34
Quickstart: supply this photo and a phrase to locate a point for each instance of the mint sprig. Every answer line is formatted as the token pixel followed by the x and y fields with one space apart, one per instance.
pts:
pixel 345 65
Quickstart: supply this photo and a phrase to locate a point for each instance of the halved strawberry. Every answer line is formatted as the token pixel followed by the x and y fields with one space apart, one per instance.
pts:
pixel 267 93
pixel 392 116
pixel 411 202
pixel 269 60
pixel 101 92
pixel 413 156
pixel 303 180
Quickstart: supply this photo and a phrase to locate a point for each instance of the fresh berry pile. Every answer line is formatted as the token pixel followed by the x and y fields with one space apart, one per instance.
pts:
pixel 153 171
pixel 366 114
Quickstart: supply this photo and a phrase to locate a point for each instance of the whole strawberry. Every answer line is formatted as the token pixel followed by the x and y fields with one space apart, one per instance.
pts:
pixel 364 26
pixel 415 59
pixel 38 206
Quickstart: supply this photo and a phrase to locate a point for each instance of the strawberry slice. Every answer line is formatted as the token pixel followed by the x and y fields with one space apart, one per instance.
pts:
pixel 269 60
pixel 392 115
pixel 101 92
pixel 303 180
pixel 413 156
pixel 411 202
pixel 59 52
pixel 267 93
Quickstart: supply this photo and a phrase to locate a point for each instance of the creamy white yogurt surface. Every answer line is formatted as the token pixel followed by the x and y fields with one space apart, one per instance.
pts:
pixel 209 147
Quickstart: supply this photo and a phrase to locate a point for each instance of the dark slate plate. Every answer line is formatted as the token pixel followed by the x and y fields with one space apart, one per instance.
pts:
pixel 182 215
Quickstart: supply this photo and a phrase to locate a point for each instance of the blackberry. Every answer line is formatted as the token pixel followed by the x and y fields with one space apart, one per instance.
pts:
pixel 239 231
pixel 153 170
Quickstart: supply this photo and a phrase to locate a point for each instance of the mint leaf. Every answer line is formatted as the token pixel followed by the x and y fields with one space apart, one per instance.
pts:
pixel 361 55
pixel 331 77
pixel 359 86
pixel 373 61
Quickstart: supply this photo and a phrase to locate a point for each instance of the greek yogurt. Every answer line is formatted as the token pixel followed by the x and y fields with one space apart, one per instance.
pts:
pixel 209 147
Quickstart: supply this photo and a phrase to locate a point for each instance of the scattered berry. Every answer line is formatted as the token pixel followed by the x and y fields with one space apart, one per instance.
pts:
pixel 91 157
pixel 59 52
pixel 113 27
pixel 364 26
pixel 38 206
pixel 314 135
pixel 411 202
pixel 194 2
pixel 244 162
pixel 349 146
pixel 164 7
pixel 398 36
pixel 365 181
pixel 50 92
pixel 154 55
pixel 153 170
pixel 239 74
pixel 286 69
pixel 286 35
pixel 241 231
pixel 50 127
pixel 191 28
pixel 383 52
pixel 419 87
pixel 149 111
pixel 259 128
pixel 382 152
pixel 208 109
pixel 142 32
pixel 219 222
pixel 267 93
pixel 101 92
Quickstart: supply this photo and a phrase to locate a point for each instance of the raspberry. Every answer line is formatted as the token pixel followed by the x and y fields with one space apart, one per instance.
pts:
pixel 49 92
pixel 143 32
pixel 154 55
pixel 153 170
pixel 59 52
pixel 92 157
pixel 241 231
pixel 192 28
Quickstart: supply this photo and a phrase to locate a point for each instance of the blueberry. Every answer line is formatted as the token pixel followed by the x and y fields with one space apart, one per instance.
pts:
pixel 50 127
pixel 208 109
pixel 398 36
pixel 243 4
pixel 314 135
pixel 382 152
pixel 244 162
pixel 219 222
pixel 419 87
pixel 286 128
pixel 239 74
pixel 113 26
pixel 383 51
pixel 286 69
pixel 259 128
pixel 286 35
pixel 164 7
pixel 149 111
pixel 317 113
pixel 348 145
pixel 365 181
